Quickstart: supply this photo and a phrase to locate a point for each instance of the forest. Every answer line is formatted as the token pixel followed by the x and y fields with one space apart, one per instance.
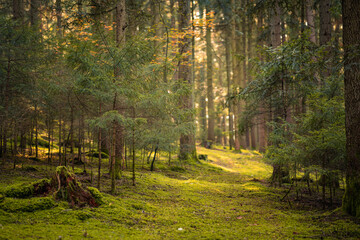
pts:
pixel 180 119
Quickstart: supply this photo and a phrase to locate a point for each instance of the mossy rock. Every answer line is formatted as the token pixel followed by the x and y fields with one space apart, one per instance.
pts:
pixel 42 186
pixel 96 194
pixel 27 205
pixel 19 191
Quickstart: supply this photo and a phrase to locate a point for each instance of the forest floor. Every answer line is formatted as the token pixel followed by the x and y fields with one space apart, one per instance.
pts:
pixel 226 197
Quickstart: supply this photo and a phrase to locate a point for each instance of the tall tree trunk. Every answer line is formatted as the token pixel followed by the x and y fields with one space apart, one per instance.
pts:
pixel 244 78
pixel 187 141
pixel 325 31
pixel 235 47
pixel 18 10
pixel 64 145
pixel 209 80
pixel 228 81
pixel 133 147
pixel 310 20
pixel 118 132
pixel 36 133
pixel 71 135
pixel 155 20
pixel 201 89
pixel 325 22
pixel 49 137
pixel 60 143
pixel 5 95
pixel 275 26
pixel 275 42
pixel 351 42
pixel 223 129
pixel 34 13
pixel 99 151
pixel 58 18
pixel 249 79
pixel 262 115
pixel 80 138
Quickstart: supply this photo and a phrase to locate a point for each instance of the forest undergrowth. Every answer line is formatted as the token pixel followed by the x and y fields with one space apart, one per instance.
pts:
pixel 226 196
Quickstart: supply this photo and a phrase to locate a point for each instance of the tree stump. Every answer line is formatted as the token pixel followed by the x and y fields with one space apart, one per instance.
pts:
pixel 70 190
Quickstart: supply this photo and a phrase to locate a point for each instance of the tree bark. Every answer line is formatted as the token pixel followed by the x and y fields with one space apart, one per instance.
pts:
pixel 36 133
pixel 228 80
pixel 235 48
pixel 310 20
pixel 58 18
pixel 262 115
pixel 249 79
pixel 325 33
pixel 275 26
pixel 325 22
pixel 120 40
pixel 277 173
pixel 18 10
pixel 34 13
pixel 209 80
pixel 187 141
pixel 99 151
pixel 60 143
pixel 351 42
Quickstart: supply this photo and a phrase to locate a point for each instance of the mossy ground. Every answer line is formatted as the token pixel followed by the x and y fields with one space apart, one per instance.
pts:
pixel 225 197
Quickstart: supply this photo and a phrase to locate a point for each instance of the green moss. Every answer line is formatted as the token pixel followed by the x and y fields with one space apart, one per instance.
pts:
pixel 83 215
pixel 62 170
pixel 140 205
pixel 96 194
pixel 27 205
pixel 177 169
pixel 2 197
pixel 19 191
pixel 200 202
pixel 27 190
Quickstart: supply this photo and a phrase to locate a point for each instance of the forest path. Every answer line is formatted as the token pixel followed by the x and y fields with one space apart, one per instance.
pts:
pixel 247 163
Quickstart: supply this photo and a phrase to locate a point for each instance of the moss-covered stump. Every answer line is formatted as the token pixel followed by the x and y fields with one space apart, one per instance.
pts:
pixel 69 189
